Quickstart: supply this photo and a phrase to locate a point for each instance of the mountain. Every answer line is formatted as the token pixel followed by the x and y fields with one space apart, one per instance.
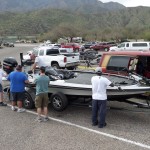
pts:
pixel 84 6
pixel 91 19
pixel 56 23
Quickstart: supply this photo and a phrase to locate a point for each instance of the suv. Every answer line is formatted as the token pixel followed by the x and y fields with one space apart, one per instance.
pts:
pixel 104 46
pixel 123 61
pixel 131 46
pixel 8 44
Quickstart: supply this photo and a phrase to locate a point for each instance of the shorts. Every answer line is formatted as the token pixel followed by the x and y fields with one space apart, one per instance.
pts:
pixel 41 100
pixel 17 96
pixel 1 88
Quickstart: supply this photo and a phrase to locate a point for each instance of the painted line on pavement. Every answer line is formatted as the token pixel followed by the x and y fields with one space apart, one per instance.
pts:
pixel 95 131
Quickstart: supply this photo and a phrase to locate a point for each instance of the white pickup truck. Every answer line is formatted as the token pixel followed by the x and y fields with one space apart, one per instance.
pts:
pixel 55 57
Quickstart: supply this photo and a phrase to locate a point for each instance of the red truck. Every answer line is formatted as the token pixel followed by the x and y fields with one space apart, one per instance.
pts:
pixel 103 46
pixel 120 62
pixel 75 46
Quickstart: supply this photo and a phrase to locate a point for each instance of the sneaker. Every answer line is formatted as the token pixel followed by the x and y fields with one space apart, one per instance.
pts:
pixel 2 104
pixel 38 119
pixel 20 110
pixel 13 108
pixel 45 119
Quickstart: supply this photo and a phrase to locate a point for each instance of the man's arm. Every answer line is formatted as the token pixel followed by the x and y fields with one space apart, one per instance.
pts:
pixel 26 81
pixel 34 66
pixel 112 85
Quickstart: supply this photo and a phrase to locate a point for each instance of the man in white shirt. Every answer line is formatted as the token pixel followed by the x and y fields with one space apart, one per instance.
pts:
pixel 99 96
pixel 39 61
pixel 2 74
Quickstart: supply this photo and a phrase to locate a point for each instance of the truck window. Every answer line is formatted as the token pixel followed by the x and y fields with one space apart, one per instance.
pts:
pixel 35 52
pixel 127 45
pixel 41 52
pixel 121 45
pixel 139 44
pixel 118 63
pixel 52 51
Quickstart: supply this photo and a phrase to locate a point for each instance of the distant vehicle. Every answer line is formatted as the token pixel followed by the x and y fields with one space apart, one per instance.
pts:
pixel 103 46
pixel 8 44
pixel 88 44
pixel 76 47
pixel 131 46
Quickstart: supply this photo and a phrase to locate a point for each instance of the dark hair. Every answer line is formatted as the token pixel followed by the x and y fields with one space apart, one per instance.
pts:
pixel 19 67
pixel 42 69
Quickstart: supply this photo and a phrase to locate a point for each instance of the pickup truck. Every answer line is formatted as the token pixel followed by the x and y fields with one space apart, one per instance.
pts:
pixel 55 57
pixel 103 46
pixel 76 47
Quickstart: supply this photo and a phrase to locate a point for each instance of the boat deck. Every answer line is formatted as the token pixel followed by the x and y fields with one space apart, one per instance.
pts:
pixel 85 78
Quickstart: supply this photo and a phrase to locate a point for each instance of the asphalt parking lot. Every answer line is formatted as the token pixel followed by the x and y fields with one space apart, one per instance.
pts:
pixel 128 126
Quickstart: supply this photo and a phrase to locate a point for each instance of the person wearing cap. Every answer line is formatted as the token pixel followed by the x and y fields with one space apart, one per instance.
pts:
pixel 99 98
pixel 2 74
pixel 41 99
pixel 17 88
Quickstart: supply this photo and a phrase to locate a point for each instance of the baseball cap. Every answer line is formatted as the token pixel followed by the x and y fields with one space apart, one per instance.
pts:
pixel 98 70
pixel 19 67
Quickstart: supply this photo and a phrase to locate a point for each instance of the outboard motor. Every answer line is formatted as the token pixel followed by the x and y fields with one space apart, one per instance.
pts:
pixel 9 64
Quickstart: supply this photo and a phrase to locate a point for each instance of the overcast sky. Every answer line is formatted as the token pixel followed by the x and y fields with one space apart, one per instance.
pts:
pixel 130 3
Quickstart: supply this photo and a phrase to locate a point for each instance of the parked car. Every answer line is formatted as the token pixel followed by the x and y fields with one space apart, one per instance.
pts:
pixel 76 47
pixel 88 44
pixel 131 46
pixel 8 44
pixel 104 46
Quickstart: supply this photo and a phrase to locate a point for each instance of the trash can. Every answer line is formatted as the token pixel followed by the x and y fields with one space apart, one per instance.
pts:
pixel 9 64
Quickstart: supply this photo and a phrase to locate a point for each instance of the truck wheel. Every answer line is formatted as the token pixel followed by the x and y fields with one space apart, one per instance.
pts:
pixel 59 101
pixel 55 66
pixel 28 103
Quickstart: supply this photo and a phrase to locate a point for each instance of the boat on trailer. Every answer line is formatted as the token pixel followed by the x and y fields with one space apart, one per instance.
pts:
pixel 67 85
pixel 64 90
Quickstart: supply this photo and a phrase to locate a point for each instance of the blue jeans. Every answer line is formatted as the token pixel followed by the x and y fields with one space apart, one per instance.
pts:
pixel 99 108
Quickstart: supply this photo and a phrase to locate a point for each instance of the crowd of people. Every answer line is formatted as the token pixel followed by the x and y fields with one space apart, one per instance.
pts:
pixel 19 79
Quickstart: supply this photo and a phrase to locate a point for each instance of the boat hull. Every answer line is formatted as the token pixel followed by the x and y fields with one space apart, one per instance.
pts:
pixel 86 91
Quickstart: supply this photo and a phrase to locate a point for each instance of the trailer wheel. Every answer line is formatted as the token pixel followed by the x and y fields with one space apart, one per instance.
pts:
pixel 59 101
pixel 28 103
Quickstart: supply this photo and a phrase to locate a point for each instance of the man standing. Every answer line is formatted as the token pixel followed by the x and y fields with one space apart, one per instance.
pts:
pixel 17 88
pixel 99 96
pixel 2 74
pixel 41 99
pixel 39 61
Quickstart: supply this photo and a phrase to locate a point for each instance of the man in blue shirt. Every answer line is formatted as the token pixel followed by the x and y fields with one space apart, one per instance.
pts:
pixel 17 88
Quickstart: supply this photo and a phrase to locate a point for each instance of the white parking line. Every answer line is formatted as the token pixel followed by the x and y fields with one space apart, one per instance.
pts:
pixel 95 131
